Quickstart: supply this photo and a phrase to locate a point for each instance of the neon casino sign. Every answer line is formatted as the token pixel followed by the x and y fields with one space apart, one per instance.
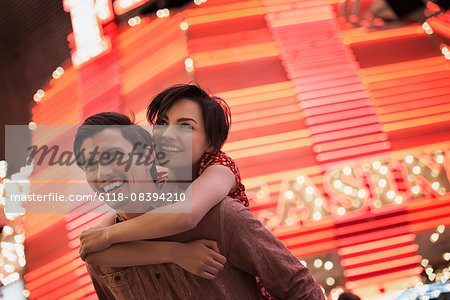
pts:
pixel 87 17
pixel 352 190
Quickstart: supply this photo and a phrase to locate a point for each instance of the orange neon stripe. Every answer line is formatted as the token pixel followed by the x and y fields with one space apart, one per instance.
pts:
pixel 391 108
pixel 282 6
pixel 177 44
pixel 310 171
pixel 82 220
pixel 75 234
pixel 408 97
pixel 61 84
pixel 370 138
pixel 166 27
pixel 344 124
pixel 407 65
pixel 75 295
pixel 305 238
pixel 229 40
pixel 416 122
pixel 266 121
pixel 420 204
pixel 404 73
pixel 134 54
pixel 414 113
pixel 39 222
pixel 284 232
pixel 414 271
pixel 345 133
pixel 50 276
pixel 259 98
pixel 40 271
pixel 337 107
pixel 378 235
pixel 225 16
pixel 265 113
pixel 268 139
pixel 382 254
pixel 132 80
pixel 254 90
pixel 410 80
pixel 429 213
pixel 373 245
pixel 358 150
pixel 332 99
pixel 221 8
pixel 311 249
pixel 430 224
pixel 262 105
pixel 393 263
pixel 48 111
pixel 439 25
pixel 271 148
pixel 361 35
pixel 292 17
pixel 373 225
pixel 399 89
pixel 307 94
pixel 235 54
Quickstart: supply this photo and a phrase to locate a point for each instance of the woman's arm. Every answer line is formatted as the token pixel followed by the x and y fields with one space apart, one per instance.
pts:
pixel 199 257
pixel 208 189
pixel 107 220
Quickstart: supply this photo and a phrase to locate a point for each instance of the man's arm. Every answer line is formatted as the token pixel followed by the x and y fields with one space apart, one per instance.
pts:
pixel 252 248
pixel 102 292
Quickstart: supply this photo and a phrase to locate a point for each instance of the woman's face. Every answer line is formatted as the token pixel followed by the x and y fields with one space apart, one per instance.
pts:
pixel 175 142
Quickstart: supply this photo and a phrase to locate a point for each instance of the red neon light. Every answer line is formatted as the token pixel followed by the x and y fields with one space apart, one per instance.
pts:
pixel 123 6
pixel 375 245
pixel 379 279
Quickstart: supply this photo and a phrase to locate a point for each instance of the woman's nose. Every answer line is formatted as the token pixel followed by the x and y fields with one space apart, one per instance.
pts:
pixel 170 132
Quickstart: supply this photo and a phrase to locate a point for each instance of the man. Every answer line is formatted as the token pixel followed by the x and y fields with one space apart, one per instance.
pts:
pixel 250 249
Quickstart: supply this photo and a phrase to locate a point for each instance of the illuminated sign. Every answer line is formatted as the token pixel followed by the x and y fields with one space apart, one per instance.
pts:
pixel 354 189
pixel 87 31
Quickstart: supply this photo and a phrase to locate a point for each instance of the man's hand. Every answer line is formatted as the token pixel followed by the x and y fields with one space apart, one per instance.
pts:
pixel 200 257
pixel 93 240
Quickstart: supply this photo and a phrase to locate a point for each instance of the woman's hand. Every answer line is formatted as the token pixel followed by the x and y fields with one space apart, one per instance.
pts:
pixel 200 257
pixel 93 240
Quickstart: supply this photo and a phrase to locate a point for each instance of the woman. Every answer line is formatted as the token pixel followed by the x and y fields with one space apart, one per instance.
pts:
pixel 214 174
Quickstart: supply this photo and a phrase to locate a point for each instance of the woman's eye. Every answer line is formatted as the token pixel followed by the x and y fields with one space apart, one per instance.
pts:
pixel 188 126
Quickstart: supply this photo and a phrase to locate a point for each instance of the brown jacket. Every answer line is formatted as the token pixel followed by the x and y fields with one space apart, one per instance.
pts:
pixel 251 250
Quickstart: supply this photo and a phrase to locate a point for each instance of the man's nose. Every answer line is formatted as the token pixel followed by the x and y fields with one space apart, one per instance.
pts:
pixel 104 171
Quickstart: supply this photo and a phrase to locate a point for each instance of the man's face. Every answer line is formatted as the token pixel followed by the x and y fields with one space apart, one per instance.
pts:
pixel 110 177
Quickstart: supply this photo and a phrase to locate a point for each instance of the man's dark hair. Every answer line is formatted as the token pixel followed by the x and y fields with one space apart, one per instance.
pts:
pixel 215 111
pixel 348 296
pixel 133 133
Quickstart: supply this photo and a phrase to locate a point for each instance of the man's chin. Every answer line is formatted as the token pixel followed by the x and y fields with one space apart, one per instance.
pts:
pixel 117 205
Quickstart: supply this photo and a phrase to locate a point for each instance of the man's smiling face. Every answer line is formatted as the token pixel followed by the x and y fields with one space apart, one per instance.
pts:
pixel 108 175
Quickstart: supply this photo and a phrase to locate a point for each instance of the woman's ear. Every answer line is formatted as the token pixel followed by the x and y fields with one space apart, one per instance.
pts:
pixel 210 149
